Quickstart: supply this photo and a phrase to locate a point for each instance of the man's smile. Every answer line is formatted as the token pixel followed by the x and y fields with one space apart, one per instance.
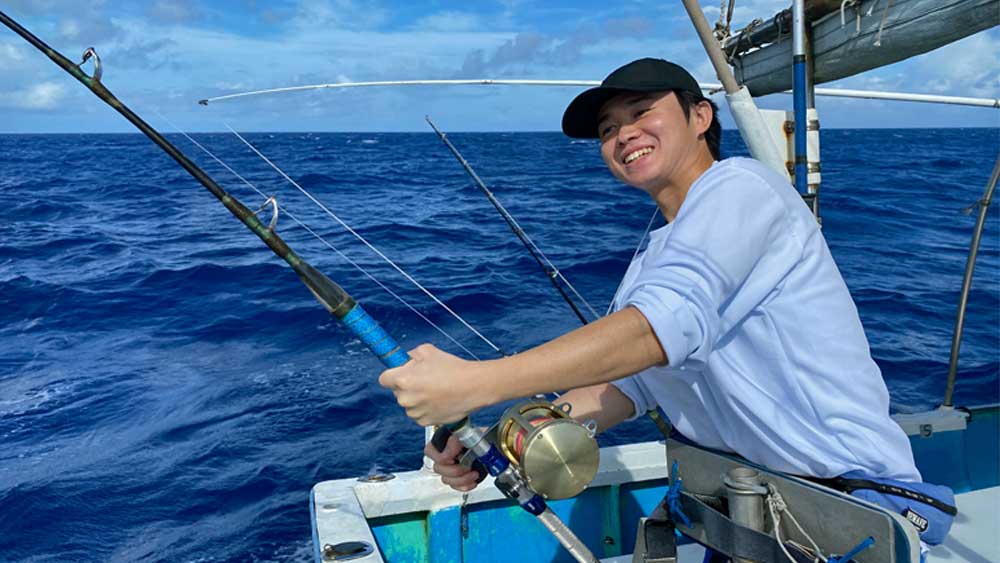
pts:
pixel 632 156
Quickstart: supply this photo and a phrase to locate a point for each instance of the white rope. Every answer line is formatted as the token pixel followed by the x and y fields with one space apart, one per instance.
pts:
pixel 320 238
pixel 365 242
pixel 649 225
pixel 776 505
pixel 843 8
pixel 881 25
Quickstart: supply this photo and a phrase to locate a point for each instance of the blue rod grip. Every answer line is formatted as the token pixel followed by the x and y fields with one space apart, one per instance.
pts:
pixel 801 124
pixel 375 337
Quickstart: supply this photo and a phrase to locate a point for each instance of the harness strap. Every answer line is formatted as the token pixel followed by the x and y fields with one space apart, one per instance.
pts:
pixel 718 532
pixel 850 485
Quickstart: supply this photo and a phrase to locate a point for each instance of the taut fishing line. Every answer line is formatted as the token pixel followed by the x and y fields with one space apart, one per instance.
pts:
pixel 319 237
pixel 365 242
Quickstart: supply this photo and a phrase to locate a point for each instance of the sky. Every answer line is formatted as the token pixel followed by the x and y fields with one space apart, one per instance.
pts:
pixel 161 56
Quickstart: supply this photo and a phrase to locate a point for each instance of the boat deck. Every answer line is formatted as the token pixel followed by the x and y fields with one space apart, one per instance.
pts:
pixel 974 538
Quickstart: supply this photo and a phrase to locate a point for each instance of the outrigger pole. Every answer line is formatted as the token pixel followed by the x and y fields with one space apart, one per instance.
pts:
pixel 333 297
pixel 710 87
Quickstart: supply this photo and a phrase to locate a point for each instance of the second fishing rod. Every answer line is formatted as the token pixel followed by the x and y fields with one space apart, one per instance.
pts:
pixel 543 262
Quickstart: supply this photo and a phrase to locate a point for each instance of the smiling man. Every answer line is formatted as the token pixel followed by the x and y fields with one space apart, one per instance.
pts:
pixel 735 319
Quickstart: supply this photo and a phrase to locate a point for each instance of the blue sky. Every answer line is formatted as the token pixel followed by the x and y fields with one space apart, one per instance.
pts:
pixel 164 55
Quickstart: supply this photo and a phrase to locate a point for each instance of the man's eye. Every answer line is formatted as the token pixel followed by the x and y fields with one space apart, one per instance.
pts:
pixel 639 113
pixel 604 132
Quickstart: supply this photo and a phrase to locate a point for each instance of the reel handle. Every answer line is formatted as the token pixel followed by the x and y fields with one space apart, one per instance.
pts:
pixel 440 439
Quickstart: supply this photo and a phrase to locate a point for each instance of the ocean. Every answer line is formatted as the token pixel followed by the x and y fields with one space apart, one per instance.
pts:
pixel 169 391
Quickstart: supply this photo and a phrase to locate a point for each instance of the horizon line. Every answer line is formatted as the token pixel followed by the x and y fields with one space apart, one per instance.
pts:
pixel 534 131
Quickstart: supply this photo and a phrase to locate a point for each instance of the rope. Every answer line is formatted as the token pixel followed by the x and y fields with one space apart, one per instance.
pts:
pixel 881 25
pixel 366 243
pixel 775 506
pixel 320 238
pixel 723 26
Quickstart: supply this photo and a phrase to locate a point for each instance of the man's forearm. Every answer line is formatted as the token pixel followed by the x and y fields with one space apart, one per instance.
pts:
pixel 607 349
pixel 603 403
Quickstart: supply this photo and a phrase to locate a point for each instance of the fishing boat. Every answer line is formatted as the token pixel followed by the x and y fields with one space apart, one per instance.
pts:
pixel 635 508
pixel 662 500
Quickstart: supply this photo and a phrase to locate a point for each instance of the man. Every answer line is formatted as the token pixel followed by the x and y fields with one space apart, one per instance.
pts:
pixel 735 319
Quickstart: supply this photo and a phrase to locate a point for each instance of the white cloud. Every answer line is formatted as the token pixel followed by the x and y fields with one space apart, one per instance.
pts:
pixel 45 95
pixel 325 15
pixel 232 86
pixel 970 67
pixel 10 56
pixel 448 21
pixel 69 29
pixel 176 11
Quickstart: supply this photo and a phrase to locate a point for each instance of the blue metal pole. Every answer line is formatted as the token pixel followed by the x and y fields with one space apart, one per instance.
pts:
pixel 799 95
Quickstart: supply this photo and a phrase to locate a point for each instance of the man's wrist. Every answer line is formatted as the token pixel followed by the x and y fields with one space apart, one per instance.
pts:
pixel 487 384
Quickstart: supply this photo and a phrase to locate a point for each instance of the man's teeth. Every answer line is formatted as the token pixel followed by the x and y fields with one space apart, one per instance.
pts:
pixel 636 154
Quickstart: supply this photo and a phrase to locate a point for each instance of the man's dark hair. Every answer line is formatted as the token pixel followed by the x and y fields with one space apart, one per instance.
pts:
pixel 713 135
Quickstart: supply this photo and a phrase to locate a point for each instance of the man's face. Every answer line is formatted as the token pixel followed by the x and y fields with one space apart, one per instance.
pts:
pixel 645 138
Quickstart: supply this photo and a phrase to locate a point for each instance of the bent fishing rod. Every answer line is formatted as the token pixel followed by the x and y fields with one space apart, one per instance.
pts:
pixel 333 297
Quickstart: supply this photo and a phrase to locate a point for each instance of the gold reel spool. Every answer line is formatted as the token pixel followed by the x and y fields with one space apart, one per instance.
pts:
pixel 557 455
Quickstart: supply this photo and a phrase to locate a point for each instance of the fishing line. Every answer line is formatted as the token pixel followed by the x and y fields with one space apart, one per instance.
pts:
pixel 368 244
pixel 649 226
pixel 318 236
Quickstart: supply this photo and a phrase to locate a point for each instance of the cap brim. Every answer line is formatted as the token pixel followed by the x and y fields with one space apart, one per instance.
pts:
pixel 580 119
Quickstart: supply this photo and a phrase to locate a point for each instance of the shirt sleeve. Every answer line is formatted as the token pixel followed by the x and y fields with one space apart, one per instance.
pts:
pixel 724 233
pixel 638 393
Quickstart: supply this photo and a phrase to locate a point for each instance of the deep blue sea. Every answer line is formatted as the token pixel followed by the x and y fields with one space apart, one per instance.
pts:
pixel 169 391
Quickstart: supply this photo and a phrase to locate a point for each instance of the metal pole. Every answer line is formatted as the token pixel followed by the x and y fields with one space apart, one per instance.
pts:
pixel 813 188
pixel 745 113
pixel 799 95
pixel 963 300
pixel 836 92
pixel 745 491
pixel 715 53
pixel 810 69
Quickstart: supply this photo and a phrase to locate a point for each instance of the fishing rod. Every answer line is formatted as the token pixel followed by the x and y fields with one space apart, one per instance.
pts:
pixel 333 297
pixel 550 270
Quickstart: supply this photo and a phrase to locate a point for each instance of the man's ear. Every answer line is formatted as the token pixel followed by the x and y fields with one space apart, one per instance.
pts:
pixel 701 116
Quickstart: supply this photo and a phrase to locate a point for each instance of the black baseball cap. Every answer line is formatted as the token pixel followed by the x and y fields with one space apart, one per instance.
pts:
pixel 643 75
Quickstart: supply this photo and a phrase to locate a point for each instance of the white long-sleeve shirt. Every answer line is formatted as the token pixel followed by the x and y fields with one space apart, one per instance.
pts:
pixel 767 357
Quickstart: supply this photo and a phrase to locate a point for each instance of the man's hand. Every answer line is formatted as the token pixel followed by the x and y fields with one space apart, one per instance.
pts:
pixel 435 387
pixel 446 465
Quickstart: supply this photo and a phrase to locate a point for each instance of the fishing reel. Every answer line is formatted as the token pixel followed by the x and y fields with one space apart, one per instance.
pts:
pixel 556 456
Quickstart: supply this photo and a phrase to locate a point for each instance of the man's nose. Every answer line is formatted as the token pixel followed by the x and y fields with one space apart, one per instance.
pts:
pixel 626 133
